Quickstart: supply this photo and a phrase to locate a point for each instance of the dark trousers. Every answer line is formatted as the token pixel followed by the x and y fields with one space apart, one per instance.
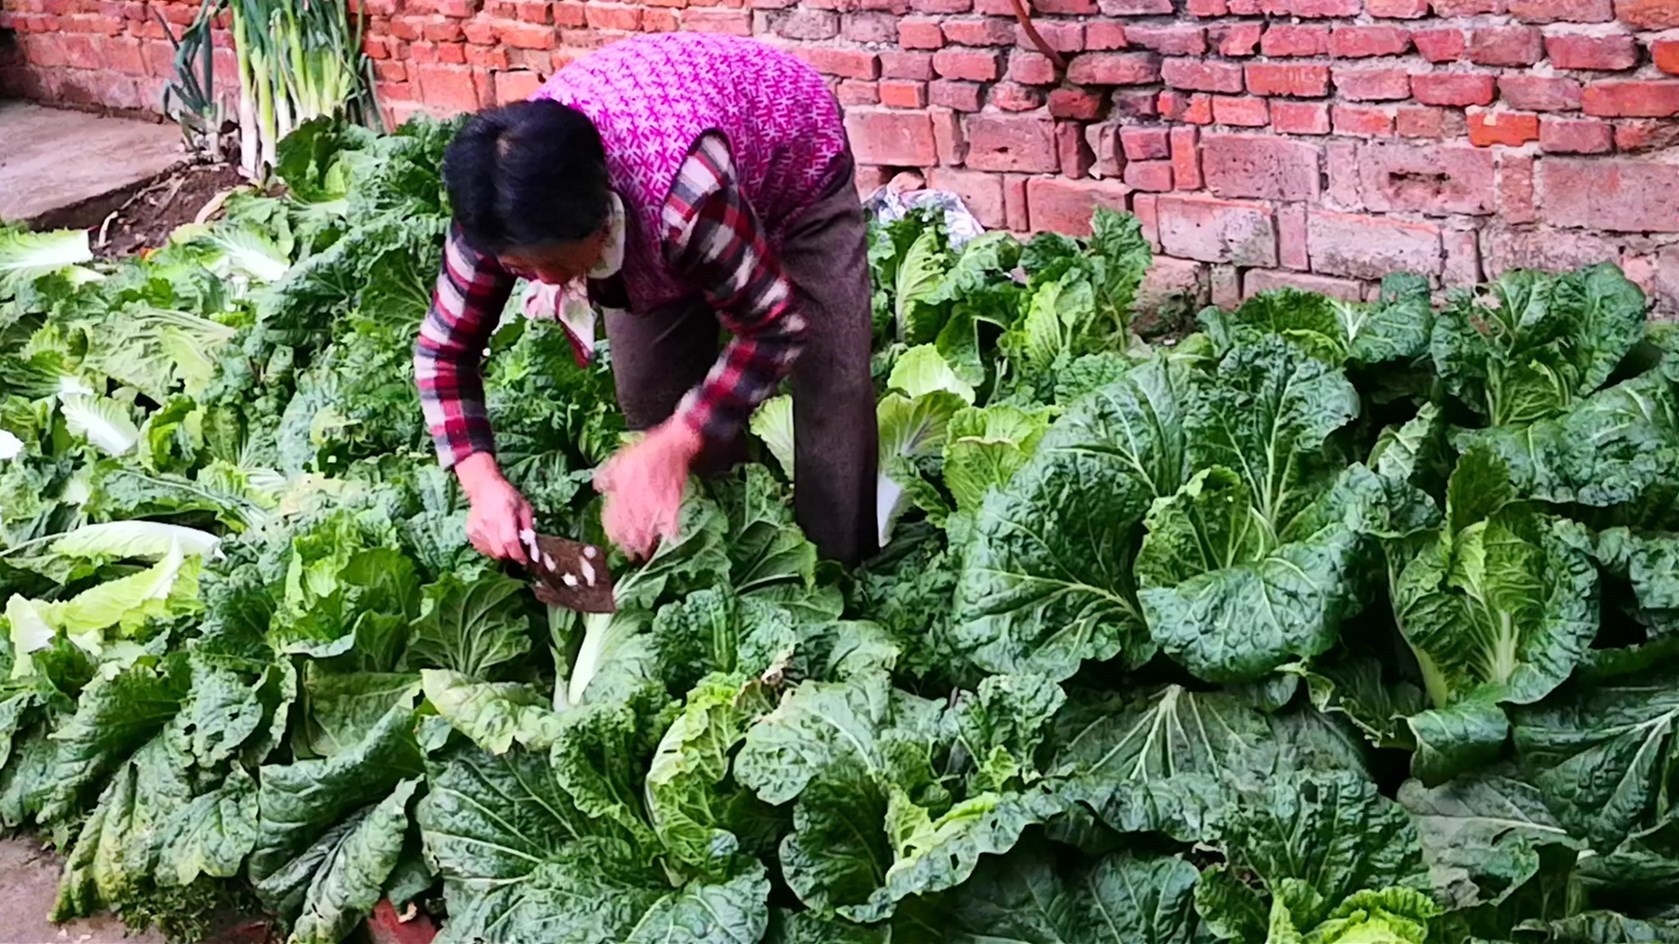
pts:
pixel 657 357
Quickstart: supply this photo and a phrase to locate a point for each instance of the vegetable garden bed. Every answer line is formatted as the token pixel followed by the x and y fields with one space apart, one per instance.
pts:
pixel 1330 622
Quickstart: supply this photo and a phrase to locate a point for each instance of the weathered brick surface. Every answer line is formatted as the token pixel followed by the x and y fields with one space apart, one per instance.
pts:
pixel 1314 143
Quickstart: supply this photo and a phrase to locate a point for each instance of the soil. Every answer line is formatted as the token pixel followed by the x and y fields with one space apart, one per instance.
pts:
pixel 155 211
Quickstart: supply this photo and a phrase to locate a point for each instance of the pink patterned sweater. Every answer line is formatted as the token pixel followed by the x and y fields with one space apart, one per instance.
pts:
pixel 653 97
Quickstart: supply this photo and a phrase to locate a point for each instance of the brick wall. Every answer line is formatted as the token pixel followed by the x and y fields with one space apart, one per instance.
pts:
pixel 1318 143
pixel 99 53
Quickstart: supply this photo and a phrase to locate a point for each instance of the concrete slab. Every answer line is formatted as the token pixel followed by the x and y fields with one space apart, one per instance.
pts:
pixel 70 168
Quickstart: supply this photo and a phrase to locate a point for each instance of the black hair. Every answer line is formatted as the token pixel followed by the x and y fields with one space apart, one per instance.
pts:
pixel 527 174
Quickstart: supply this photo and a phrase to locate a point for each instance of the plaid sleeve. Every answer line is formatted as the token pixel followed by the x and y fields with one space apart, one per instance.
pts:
pixel 714 238
pixel 471 291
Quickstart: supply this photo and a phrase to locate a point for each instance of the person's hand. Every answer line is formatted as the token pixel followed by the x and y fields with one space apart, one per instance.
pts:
pixel 498 514
pixel 643 486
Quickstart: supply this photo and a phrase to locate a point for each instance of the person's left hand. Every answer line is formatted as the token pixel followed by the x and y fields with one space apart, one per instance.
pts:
pixel 643 486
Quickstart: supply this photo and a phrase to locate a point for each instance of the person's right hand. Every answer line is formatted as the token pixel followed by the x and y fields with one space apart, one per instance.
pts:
pixel 498 512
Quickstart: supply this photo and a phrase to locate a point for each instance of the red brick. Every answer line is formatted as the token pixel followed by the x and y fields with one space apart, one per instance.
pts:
pixel 1012 143
pixel 1151 176
pixel 1604 53
pixel 859 27
pixel 386 70
pixel 1145 207
pixel 443 31
pixel 854 92
pixel 1272 78
pixel 452 53
pixel 906 65
pixel 1146 144
pixel 1659 99
pixel 1515 188
pixel 1208 7
pixel 1428 179
pixel 1076 157
pixel 1240 111
pixel 1575 136
pixel 808 24
pixel 1648 14
pixel 1061 37
pixel 494 58
pixel 1174 40
pixel 1488 128
pixel 1104 35
pixel 452 88
pixel 613 16
pixel 1078 104
pixel 1138 104
pixel 123 55
pixel 869 179
pixel 1397 9
pixel 891 138
pixel 1620 195
pixel 1300 117
pixel 1237 165
pixel 845 63
pixel 1211 230
pixel 1413 122
pixel 1366 247
pixel 1563 11
pixel 1452 8
pixel 1282 41
pixel 1194 109
pixel 948 136
pixel 1010 96
pixel 941 6
pixel 1186 158
pixel 968 65
pixel 1030 68
pixel 920 34
pixel 982 193
pixel 1291 236
pixel 525 35
pixel 531 11
pixel 1066 206
pixel 1463 258
pixel 903 93
pixel 1372 84
pixel 1453 89
pixel 1324 9
pixel 1645 135
pixel 1665 54
pixel 1358 42
pixel 1236 39
pixel 1440 45
pixel 956 96
pixel 1363 120
pixel 1539 93
pixel 1505 46
pixel 1113 68
pixel 1202 76
pixel 1259 281
pixel 1104 144
pixel 990 31
pixel 659 20
pixel 1125 8
pixel 516 86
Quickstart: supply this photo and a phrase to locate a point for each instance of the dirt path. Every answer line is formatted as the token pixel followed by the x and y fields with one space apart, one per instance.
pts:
pixel 29 885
